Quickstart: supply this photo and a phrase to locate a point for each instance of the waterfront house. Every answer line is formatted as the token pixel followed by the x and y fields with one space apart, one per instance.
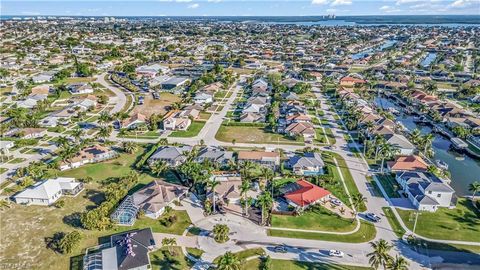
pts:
pixel 407 163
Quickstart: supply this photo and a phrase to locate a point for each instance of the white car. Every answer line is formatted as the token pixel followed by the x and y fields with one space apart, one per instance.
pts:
pixel 373 217
pixel 335 253
pixel 336 202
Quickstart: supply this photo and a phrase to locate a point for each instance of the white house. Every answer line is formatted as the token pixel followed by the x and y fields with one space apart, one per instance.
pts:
pixel 92 154
pixel 5 146
pixel 202 98
pixel 176 120
pixel 80 88
pixel 426 191
pixel 404 146
pixel 48 191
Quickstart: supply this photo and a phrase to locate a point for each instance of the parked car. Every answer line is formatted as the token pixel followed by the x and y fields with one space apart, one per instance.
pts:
pixel 335 201
pixel 373 217
pixel 335 253
pixel 155 95
pixel 280 249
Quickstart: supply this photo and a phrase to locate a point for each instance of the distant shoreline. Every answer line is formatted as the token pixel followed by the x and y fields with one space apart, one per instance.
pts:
pixel 313 20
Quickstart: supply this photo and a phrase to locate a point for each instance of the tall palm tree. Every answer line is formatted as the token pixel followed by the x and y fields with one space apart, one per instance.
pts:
pixel 426 143
pixel 229 261
pixel 264 201
pixel 158 167
pixel 415 136
pixel 357 201
pixel 387 151
pixel 129 147
pixel 244 188
pixel 169 242
pixel 397 263
pixel 379 255
pixel 212 184
pixel 104 132
pixel 474 188
pixel 77 133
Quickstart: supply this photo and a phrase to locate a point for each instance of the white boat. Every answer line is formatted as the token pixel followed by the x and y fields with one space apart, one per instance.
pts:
pixel 441 164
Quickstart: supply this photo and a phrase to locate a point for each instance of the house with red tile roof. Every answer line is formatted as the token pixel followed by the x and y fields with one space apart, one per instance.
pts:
pixel 408 163
pixel 351 81
pixel 302 194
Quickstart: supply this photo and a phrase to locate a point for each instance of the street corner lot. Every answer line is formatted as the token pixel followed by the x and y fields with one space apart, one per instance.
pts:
pixel 156 106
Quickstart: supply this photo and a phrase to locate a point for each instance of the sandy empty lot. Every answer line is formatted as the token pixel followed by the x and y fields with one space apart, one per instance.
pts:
pixel 157 106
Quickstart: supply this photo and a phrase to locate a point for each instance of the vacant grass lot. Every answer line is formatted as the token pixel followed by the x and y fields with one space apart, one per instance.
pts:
pixel 298 265
pixel 461 223
pixel 118 167
pixel 246 134
pixel 318 218
pixel 366 233
pixel 192 130
pixel 158 106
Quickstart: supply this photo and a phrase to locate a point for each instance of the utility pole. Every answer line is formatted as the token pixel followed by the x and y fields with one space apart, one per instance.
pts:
pixel 415 224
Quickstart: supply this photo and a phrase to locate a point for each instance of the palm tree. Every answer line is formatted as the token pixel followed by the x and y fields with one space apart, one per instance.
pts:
pixel 169 242
pixel 220 233
pixel 267 174
pixel 387 151
pixel 426 143
pixel 129 147
pixel 229 261
pixel 158 167
pixel 357 200
pixel 474 188
pixel 212 184
pixel 397 263
pixel 77 133
pixel 244 188
pixel 104 132
pixel 264 201
pixel 415 136
pixel 379 255
pixel 246 166
pixel 103 118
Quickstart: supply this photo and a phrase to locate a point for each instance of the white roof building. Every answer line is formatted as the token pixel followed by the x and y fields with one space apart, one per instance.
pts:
pixel 48 191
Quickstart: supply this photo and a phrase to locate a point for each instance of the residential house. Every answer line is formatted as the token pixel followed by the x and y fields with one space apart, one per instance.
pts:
pixel 351 81
pixel 174 83
pixel 154 197
pixel 133 121
pixel 301 129
pixel 302 194
pixel 267 159
pixel 404 146
pixel 408 163
pixel 203 98
pixel 125 251
pixel 176 120
pixel 91 154
pixel 49 191
pixel 426 191
pixel 5 146
pixel 307 164
pixel 173 156
pixel 215 155
pixel 27 133
pixel 80 88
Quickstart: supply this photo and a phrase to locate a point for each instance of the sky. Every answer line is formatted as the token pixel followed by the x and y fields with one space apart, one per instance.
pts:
pixel 238 7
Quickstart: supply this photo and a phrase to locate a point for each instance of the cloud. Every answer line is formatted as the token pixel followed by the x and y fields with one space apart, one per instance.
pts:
pixel 319 2
pixel 214 1
pixel 341 2
pixel 193 6
pixel 389 9
pixel 463 3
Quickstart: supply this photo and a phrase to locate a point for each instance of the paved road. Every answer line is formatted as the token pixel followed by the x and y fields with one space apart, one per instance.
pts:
pixel 120 100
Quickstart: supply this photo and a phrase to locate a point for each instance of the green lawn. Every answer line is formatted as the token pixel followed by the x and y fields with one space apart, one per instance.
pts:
pixel 118 167
pixel 331 137
pixel 397 228
pixel 192 130
pixel 298 265
pixel 366 233
pixel 248 134
pixel 390 186
pixel 317 218
pixel 338 190
pixel 183 221
pixel 16 160
pixel 195 252
pixel 320 136
pixel 242 255
pixel 2 170
pixel 160 262
pixel 461 223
